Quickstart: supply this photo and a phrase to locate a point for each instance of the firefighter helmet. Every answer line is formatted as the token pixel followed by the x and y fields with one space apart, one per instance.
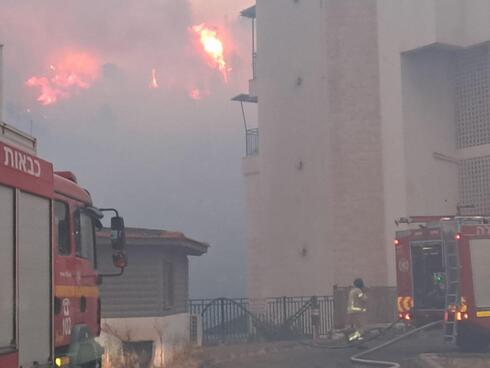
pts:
pixel 359 283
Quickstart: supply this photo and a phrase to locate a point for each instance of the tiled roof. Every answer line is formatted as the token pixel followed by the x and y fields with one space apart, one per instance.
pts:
pixel 137 236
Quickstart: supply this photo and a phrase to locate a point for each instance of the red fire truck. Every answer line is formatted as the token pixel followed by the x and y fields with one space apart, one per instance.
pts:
pixel 442 272
pixel 50 306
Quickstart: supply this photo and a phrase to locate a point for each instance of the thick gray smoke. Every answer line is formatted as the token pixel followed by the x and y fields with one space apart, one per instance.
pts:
pixel 165 160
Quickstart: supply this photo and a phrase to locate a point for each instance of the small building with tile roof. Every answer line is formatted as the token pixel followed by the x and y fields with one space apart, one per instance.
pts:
pixel 148 302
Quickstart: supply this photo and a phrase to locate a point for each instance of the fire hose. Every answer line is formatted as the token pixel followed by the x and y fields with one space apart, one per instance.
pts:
pixel 353 343
pixel 358 357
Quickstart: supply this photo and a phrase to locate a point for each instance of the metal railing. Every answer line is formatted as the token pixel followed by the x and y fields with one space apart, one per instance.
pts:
pixel 231 320
pixel 252 142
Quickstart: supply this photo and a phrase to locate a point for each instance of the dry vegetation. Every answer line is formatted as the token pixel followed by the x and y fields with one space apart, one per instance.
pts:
pixel 187 356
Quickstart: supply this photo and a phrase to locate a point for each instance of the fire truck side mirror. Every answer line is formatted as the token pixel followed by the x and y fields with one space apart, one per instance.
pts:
pixel 118 233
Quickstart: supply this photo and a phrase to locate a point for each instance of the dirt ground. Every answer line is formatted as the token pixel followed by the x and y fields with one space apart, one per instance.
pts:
pixel 274 355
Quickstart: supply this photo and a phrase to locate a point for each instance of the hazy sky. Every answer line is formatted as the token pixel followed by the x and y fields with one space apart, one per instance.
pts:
pixel 164 159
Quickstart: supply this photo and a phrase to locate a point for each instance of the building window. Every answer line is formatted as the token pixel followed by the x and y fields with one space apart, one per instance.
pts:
pixel 62 227
pixel 168 285
pixel 84 236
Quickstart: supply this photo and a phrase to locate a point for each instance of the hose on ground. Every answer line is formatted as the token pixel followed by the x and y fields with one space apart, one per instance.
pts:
pixel 358 357
pixel 354 343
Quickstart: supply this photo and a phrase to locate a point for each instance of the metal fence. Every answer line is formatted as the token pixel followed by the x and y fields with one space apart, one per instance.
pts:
pixel 222 319
pixel 236 320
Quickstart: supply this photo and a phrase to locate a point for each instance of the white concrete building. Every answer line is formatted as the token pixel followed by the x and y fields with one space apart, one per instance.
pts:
pixel 367 110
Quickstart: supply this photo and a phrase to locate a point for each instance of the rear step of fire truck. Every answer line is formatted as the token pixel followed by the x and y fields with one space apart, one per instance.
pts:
pixel 452 295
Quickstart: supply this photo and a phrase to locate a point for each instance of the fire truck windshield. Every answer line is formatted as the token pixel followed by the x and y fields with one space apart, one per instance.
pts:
pixel 85 235
pixel 62 227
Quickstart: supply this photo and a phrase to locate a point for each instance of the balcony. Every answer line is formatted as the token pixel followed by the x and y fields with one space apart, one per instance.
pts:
pixel 252 142
pixel 251 134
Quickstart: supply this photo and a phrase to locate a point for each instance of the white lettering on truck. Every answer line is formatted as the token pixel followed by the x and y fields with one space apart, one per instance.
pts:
pixel 21 161
pixel 483 230
pixel 66 323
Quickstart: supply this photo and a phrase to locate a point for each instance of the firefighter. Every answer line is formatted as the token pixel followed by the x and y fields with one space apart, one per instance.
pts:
pixel 356 309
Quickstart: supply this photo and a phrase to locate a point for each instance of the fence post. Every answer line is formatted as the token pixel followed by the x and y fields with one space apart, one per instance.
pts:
pixel 315 317
pixel 223 332
pixel 284 311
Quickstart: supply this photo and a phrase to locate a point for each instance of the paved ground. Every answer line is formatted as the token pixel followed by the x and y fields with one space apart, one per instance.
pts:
pixel 294 355
pixel 457 360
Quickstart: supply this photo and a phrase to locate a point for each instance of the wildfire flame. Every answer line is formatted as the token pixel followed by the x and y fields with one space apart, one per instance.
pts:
pixel 153 83
pixel 75 71
pixel 213 47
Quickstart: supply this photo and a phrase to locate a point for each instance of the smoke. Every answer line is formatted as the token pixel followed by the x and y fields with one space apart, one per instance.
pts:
pixel 164 159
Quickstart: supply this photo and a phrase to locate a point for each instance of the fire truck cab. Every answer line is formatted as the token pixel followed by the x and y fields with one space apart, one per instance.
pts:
pixel 443 273
pixel 50 306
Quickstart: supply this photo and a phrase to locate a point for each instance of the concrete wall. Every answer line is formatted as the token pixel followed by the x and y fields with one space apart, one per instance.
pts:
pixel 293 133
pixel 318 120
pixel 169 335
pixel 355 97
pixel 256 270
pixel 429 100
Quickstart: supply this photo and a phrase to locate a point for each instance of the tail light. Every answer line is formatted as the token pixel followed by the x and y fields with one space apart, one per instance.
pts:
pixel 460 316
pixel 405 316
pixel 458 312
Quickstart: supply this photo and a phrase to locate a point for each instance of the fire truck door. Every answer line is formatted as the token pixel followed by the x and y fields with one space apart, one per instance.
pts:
pixel 480 258
pixel 34 257
pixel 7 258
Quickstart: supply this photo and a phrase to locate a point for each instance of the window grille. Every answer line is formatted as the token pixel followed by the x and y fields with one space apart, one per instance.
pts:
pixel 473 97
pixel 474 177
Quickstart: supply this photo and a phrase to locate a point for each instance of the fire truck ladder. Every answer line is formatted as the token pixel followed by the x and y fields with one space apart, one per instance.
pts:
pixel 452 289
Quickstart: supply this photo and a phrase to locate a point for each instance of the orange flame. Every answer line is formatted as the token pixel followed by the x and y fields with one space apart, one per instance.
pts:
pixel 153 83
pixel 75 71
pixel 213 47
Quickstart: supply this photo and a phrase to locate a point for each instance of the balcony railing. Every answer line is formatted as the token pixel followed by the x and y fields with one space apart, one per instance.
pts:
pixel 252 142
